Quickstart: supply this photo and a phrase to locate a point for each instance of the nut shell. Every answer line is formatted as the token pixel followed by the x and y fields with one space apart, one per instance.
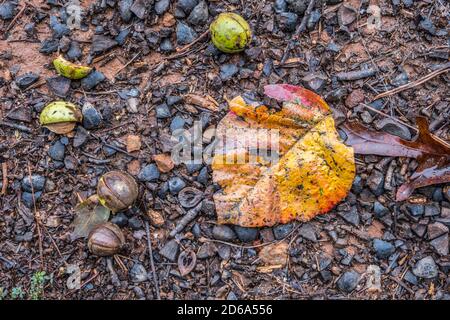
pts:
pixel 106 239
pixel 117 190
pixel 230 32
pixel 60 116
pixel 70 70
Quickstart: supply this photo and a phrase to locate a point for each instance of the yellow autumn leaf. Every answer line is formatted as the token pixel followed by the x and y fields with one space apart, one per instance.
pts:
pixel 314 172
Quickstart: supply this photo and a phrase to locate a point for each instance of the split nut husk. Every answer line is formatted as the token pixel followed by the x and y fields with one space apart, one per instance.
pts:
pixel 106 239
pixel 70 70
pixel 60 117
pixel 117 190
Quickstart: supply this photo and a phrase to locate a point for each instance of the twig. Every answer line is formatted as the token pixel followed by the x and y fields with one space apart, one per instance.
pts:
pixel 355 75
pixel 297 32
pixel 36 217
pixel 401 283
pixel 17 16
pixel 5 178
pixel 152 264
pixel 16 126
pixel 126 64
pixel 413 84
pixel 188 217
pixel 186 47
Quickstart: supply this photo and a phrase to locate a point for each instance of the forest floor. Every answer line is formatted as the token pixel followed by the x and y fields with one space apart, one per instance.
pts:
pixel 148 69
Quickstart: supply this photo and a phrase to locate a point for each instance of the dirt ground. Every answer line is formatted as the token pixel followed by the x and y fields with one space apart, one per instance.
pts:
pixel 152 70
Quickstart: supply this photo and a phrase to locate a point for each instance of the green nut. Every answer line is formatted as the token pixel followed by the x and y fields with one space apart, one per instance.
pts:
pixel 60 116
pixel 230 32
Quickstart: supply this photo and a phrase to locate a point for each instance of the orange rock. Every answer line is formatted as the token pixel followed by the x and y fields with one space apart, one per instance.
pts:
pixel 164 162
pixel 133 143
pixel 133 167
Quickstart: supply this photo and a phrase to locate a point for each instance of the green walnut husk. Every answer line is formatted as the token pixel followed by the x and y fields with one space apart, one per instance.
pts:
pixel 117 190
pixel 60 117
pixel 230 33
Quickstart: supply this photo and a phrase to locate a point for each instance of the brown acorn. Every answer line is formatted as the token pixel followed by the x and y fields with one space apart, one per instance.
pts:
pixel 106 239
pixel 117 190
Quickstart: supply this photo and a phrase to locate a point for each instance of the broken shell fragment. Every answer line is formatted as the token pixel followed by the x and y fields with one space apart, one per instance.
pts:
pixel 60 117
pixel 70 70
pixel 117 190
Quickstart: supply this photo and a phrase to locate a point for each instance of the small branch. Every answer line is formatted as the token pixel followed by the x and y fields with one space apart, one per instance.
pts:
pixel 388 116
pixel 126 64
pixel 152 264
pixel 5 178
pixel 17 17
pixel 355 75
pixel 297 32
pixel 188 217
pixel 186 47
pixel 37 217
pixel 16 126
pixel 414 83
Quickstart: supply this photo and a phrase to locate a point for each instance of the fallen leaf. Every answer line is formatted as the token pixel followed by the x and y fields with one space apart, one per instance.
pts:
pixel 314 172
pixel 133 143
pixel 200 101
pixel 274 255
pixel 186 262
pixel 432 154
pixel 89 214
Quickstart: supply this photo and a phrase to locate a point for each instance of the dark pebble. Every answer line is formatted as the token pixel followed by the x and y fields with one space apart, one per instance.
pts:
pixel 193 167
pixel 170 250
pixel 280 6
pixel 298 6
pixel 224 233
pixel 122 36
pixel 425 268
pixel 161 6
pixel 37 181
pixel 351 216
pixel 199 15
pixel 177 123
pixel 227 71
pixel 56 151
pixel 91 117
pixel 59 85
pixel 139 8
pixel 287 21
pixel 124 10
pixel 120 219
pixel 208 249
pixel 376 182
pixel 59 29
pixel 307 231
pixel 427 25
pixel 313 19
pixel 166 45
pixel 411 278
pixel 176 184
pixel 172 100
pixel 26 80
pixel 101 44
pixel 185 34
pixel 49 46
pixel 379 209
pixel 162 111
pixel 149 173
pixel 27 198
pixel 135 223
pixel 282 230
pixel 383 249
pixel 415 210
pixel 29 28
pixel 138 273
pixel 393 127
pixel 74 52
pixel 81 136
pixel 7 10
pixel 186 5
pixel 92 80
pixel 348 281
pixel 246 234
pixel 203 176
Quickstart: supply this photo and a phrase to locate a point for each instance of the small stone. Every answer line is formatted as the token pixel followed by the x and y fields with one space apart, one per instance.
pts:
pixel 379 209
pixel 351 216
pixel 176 184
pixel 49 46
pixel 132 105
pixel 177 123
pixel 307 231
pixel 411 278
pixel 432 210
pixel 401 79
pixel 91 117
pixel 358 184
pixel 27 198
pixel 135 223
pixel 203 176
pixel 282 230
pixel 170 250
pixel 348 281
pixel 192 167
pixel 224 233
pixel 287 21
pixel 101 44
pixel 313 19
pixel 446 192
pixel 120 219
pixel 416 210
pixel 346 15
pixel 246 234
pixel 92 80
pixel 427 25
pixel 436 229
pixel 164 162
pixel 166 45
pixel 298 6
pixel 227 71
pixel 185 34
pixel 440 244
pixel 138 273
pixel 355 98
pixel 376 182
pixel 56 151
pixel 156 218
pixel 373 283
pixel 7 10
pixel 161 6
pixel 186 5
pixel 74 52
pixel 149 173
pixel 122 36
pixel 393 127
pixel 81 136
pixel 59 29
pixel 426 268
pixel 315 81
pixel 70 163
pixel 383 249
pixel 138 8
pixel 208 249
pixel 26 80
pixel 280 6
pixel 37 181
pixel 199 15
pixel 162 111
pixel 59 85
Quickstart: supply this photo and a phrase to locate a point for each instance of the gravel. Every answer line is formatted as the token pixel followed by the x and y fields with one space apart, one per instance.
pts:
pixel 348 281
pixel 383 249
pixel 37 181
pixel 91 117
pixel 224 233
pixel 149 173
pixel 426 268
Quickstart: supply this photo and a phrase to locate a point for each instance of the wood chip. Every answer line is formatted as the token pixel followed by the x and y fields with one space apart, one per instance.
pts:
pixel 133 143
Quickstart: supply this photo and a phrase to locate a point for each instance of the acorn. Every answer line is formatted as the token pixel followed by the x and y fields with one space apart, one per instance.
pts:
pixel 117 190
pixel 60 117
pixel 230 32
pixel 106 239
